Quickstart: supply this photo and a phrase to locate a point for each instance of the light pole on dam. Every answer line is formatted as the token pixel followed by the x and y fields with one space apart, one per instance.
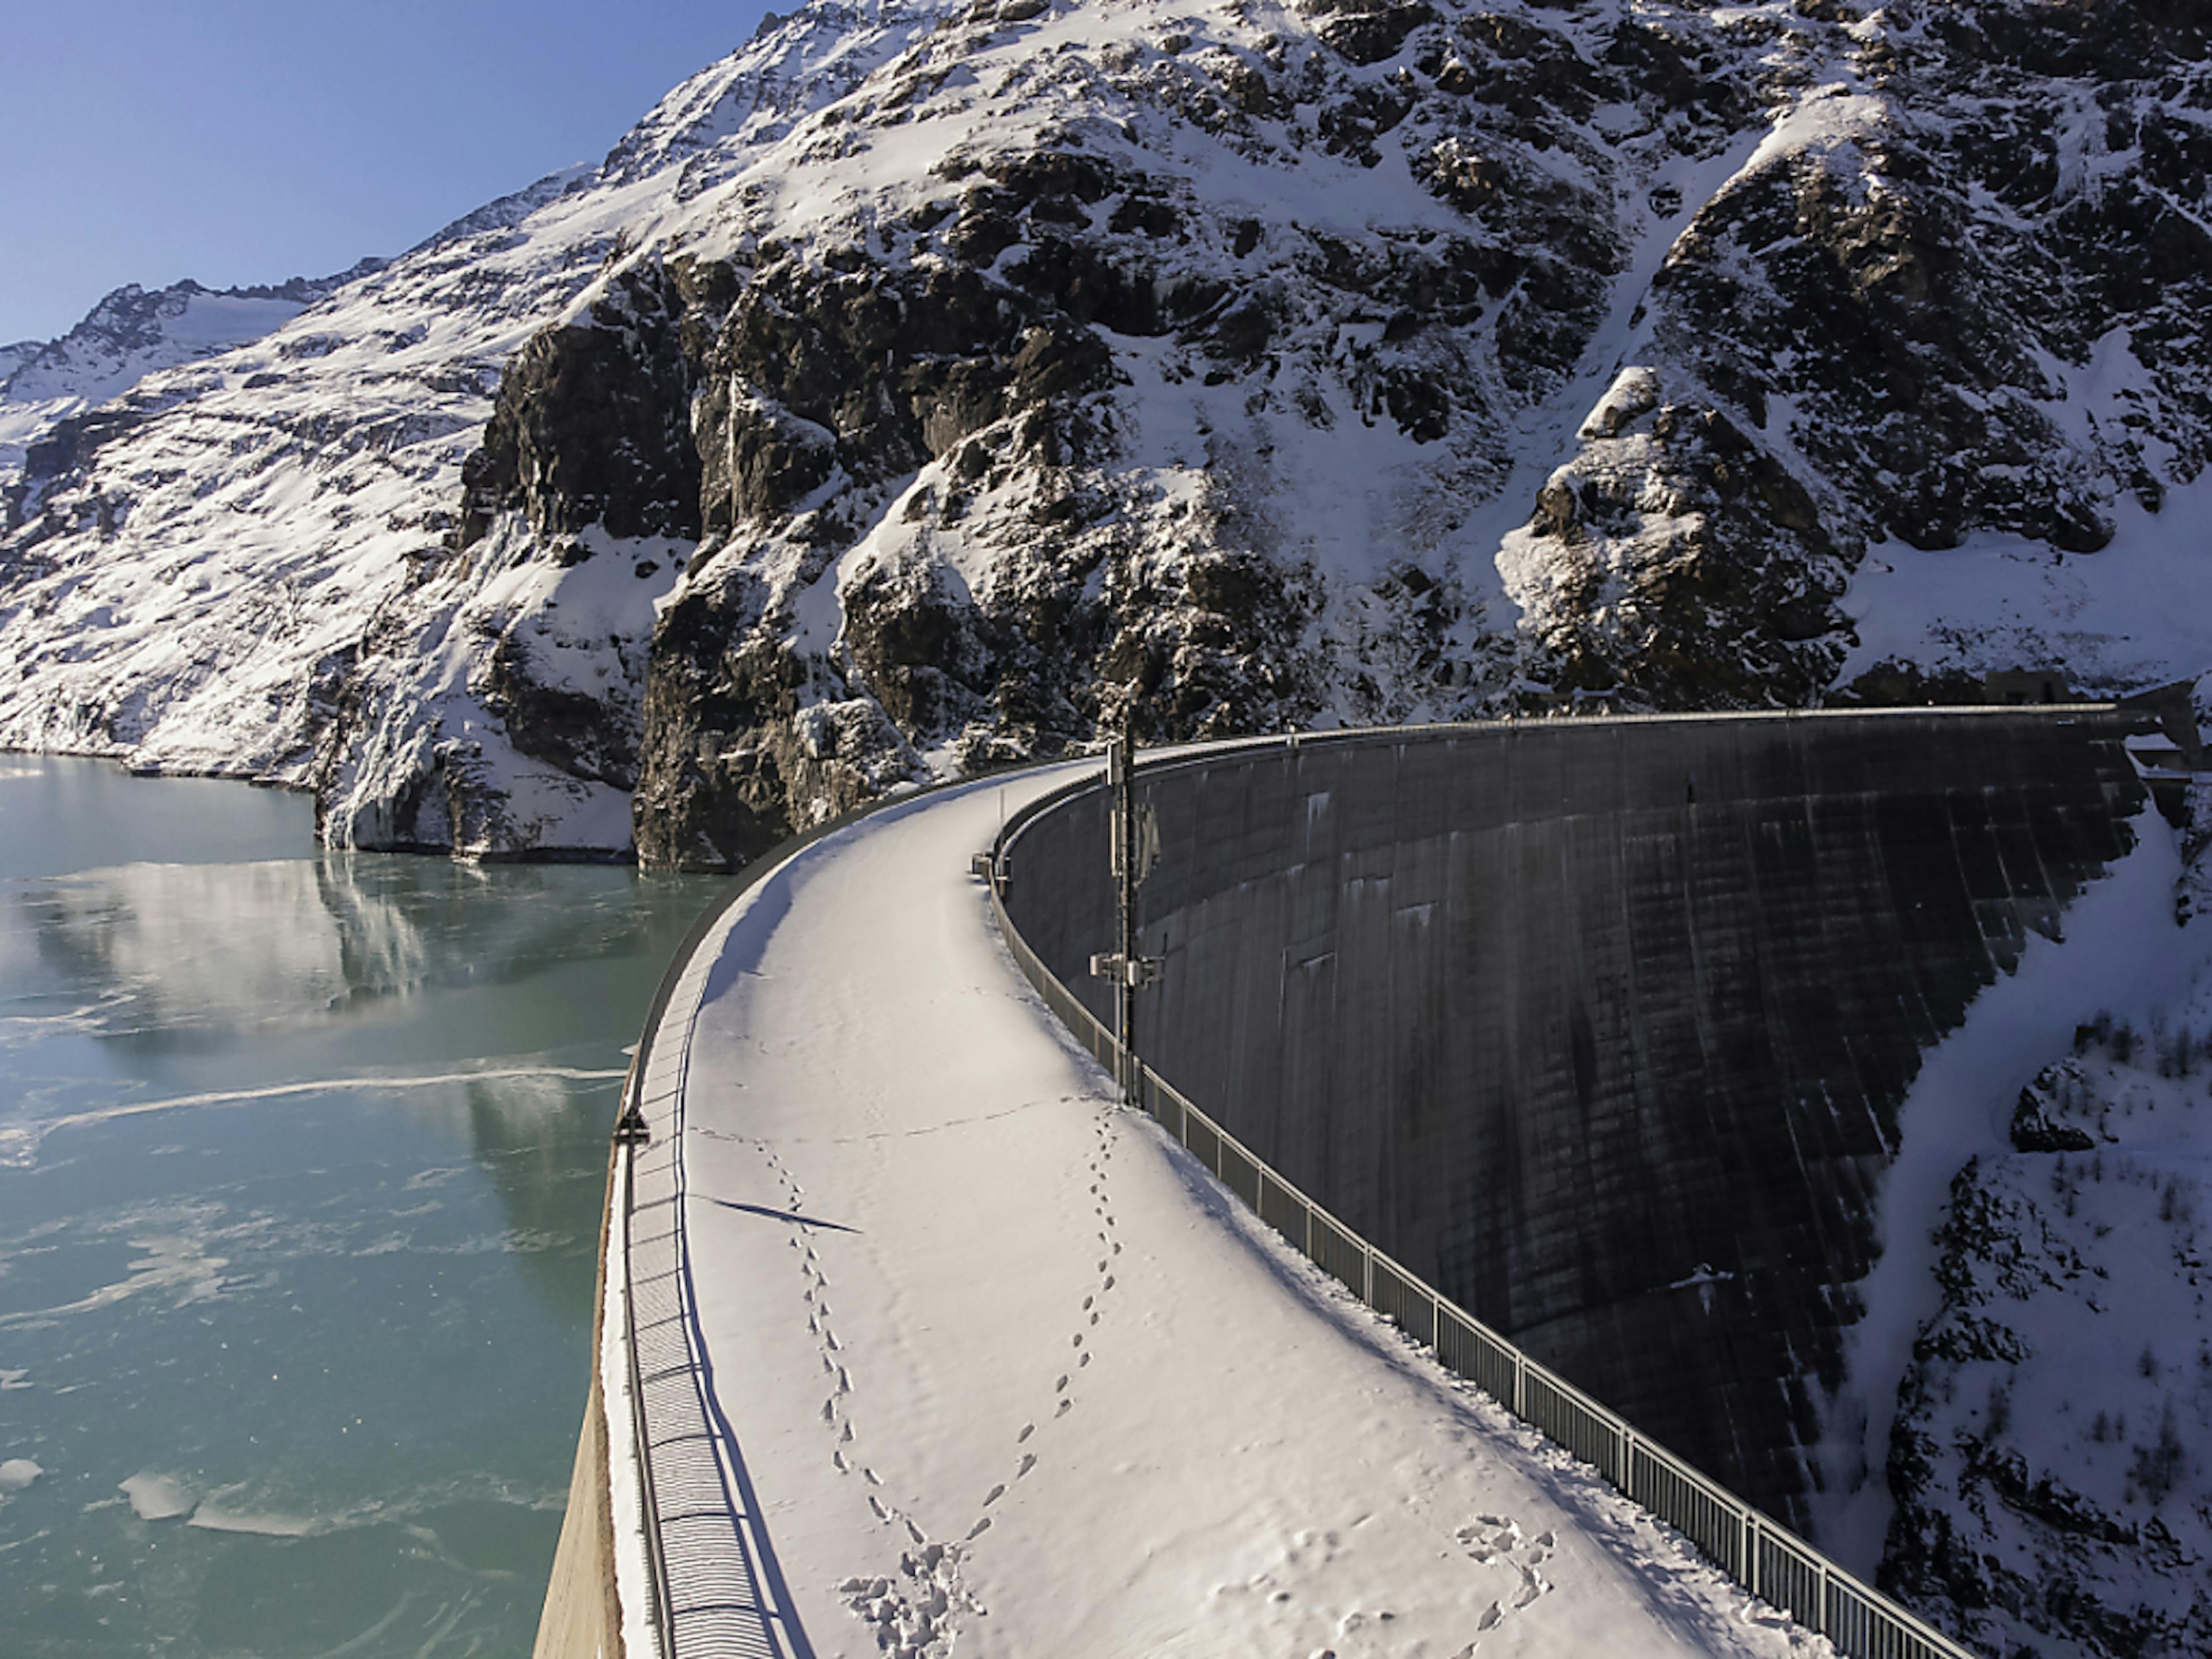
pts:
pixel 1600 1027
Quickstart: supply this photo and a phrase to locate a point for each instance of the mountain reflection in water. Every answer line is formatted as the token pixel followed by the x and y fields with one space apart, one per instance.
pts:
pixel 300 1164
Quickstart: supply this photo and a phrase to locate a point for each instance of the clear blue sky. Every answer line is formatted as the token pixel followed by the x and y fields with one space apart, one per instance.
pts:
pixel 247 141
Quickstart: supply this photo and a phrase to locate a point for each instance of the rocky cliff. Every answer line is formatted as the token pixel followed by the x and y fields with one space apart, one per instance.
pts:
pixel 2048 1465
pixel 925 385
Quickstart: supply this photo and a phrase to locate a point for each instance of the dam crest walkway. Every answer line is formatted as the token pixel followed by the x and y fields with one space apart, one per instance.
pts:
pixel 936 1344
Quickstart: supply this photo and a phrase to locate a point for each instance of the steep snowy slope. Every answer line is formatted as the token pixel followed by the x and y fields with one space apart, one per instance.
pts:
pixel 925 384
pixel 127 336
pixel 2048 1464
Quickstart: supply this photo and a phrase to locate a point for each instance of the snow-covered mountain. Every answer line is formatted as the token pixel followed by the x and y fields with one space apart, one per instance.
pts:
pixel 927 384
pixel 131 334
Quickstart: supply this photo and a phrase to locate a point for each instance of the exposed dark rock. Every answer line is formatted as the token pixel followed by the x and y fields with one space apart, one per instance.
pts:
pixel 1689 568
pixel 2044 1505
pixel 585 735
pixel 592 425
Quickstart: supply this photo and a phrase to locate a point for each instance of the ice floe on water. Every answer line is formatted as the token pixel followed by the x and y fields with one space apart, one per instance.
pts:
pixel 157 1496
pixel 19 1142
pixel 214 1518
pixel 18 1473
pixel 168 1262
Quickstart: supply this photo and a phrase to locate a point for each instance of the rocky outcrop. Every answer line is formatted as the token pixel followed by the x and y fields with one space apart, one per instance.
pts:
pixel 1677 564
pixel 1927 300
pixel 2051 1495
pixel 948 385
pixel 592 425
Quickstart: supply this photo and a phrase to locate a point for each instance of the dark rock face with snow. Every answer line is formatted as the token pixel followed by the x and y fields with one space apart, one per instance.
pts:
pixel 2048 1463
pixel 954 384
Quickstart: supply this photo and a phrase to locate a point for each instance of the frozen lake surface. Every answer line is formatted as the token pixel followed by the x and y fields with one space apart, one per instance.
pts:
pixel 301 1165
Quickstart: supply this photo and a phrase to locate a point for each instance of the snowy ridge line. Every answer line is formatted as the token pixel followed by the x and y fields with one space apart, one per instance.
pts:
pixel 1758 1552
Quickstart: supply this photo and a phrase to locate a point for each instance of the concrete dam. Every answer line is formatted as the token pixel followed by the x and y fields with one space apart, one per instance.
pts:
pixel 1601 1027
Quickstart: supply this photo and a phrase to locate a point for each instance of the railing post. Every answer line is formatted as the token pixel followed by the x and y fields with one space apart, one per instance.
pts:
pixel 1121 850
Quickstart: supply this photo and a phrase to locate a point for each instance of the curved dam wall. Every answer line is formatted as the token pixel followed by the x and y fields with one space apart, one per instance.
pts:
pixel 1602 1027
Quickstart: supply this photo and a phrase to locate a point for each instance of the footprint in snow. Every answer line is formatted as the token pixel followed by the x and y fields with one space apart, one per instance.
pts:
pixel 1495 1539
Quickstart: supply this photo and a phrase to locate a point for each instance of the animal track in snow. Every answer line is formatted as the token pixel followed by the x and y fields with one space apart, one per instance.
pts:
pixel 912 1614
pixel 1087 1316
pixel 1497 1540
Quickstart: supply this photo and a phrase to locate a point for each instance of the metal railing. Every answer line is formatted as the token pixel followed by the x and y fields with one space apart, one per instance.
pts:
pixel 706 1553
pixel 656 1559
pixel 705 1595
pixel 1758 1552
pixel 696 1526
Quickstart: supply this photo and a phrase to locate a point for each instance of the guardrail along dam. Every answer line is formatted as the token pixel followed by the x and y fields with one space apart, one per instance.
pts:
pixel 1603 1027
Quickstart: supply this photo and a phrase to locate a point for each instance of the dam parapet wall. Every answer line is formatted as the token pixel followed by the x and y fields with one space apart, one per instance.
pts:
pixel 1600 1027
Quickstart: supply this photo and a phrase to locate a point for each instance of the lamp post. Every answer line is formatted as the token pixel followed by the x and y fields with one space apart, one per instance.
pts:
pixel 1133 848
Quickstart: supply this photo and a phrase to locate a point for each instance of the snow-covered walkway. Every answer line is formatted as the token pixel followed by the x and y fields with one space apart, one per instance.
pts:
pixel 1010 1376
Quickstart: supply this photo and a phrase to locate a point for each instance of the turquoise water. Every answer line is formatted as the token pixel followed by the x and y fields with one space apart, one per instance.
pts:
pixel 300 1164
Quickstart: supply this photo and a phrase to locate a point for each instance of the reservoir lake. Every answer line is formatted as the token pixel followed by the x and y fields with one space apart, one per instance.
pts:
pixel 301 1161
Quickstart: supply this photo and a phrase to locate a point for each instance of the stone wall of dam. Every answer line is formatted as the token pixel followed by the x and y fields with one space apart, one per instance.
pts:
pixel 1602 1027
